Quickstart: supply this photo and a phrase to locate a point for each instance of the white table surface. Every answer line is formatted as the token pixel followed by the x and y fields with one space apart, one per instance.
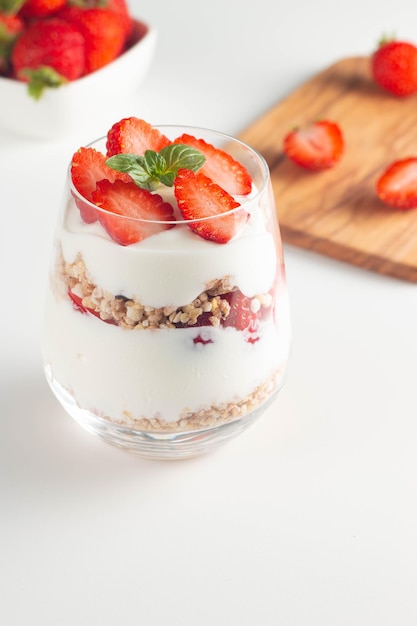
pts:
pixel 309 518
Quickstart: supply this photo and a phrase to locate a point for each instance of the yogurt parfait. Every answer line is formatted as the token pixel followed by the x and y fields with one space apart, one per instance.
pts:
pixel 167 326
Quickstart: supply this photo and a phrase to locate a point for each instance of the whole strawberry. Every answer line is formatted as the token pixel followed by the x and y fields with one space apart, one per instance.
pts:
pixel 120 7
pixel 103 31
pixel 48 53
pixel 40 8
pixel 10 28
pixel 394 67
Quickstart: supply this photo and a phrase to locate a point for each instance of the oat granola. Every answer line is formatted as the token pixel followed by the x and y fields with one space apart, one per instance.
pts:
pixel 210 417
pixel 131 314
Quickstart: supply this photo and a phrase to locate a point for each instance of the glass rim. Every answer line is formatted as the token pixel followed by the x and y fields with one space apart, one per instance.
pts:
pixel 243 200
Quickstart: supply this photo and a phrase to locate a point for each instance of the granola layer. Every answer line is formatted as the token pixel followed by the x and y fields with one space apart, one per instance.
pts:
pixel 209 305
pixel 210 417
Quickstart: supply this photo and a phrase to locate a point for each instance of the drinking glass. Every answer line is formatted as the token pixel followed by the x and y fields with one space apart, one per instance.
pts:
pixel 175 344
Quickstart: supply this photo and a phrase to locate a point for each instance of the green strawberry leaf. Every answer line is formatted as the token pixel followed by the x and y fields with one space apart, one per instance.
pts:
pixel 41 78
pixel 152 168
pixel 11 7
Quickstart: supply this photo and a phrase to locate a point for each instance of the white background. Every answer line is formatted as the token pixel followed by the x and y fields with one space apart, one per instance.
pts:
pixel 309 518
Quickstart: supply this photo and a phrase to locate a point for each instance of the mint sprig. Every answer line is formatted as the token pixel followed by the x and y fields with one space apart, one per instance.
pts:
pixel 152 168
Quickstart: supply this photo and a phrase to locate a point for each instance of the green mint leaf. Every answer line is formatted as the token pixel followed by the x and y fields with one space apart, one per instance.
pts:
pixel 154 163
pixel 135 166
pixel 168 178
pixel 180 156
pixel 157 167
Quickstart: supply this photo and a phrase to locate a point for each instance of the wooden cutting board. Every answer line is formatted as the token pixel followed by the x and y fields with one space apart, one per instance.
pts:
pixel 336 212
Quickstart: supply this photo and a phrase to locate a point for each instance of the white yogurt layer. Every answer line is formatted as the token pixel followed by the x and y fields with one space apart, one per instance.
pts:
pixel 162 373
pixel 173 267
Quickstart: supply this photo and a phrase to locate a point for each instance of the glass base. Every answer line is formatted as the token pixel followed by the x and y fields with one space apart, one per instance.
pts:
pixel 154 445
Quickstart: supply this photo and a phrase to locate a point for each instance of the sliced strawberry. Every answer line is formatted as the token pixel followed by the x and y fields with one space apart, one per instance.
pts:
pixel 127 209
pixel 316 147
pixel 241 315
pixel 220 166
pixel 199 197
pixel 77 302
pixel 134 136
pixel 87 168
pixel 78 306
pixel 397 186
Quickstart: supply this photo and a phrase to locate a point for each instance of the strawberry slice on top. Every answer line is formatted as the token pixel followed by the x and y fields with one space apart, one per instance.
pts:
pixel 132 135
pixel 318 146
pixel 220 166
pixel 88 166
pixel 199 197
pixel 397 186
pixel 130 213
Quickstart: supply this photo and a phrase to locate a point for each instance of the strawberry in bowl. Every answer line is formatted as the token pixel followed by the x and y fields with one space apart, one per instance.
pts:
pixel 66 68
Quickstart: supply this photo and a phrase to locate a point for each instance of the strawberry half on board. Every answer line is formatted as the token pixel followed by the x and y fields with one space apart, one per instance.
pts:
pixel 220 166
pixel 130 213
pixel 198 197
pixel 394 67
pixel 397 186
pixel 318 146
pixel 134 136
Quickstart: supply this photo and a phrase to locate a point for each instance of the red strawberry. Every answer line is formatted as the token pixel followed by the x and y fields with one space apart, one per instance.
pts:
pixel 122 9
pixel 77 303
pixel 199 197
pixel 87 168
pixel 49 52
pixel 394 67
pixel 122 201
pixel 316 147
pixel 10 28
pixel 200 340
pixel 103 31
pixel 241 315
pixel 117 6
pixel 40 8
pixel 220 166
pixel 397 186
pixel 134 136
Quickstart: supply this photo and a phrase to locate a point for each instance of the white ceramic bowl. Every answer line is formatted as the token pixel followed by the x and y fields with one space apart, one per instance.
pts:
pixel 85 103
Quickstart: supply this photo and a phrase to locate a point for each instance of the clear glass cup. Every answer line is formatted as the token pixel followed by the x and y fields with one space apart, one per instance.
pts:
pixel 173 345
